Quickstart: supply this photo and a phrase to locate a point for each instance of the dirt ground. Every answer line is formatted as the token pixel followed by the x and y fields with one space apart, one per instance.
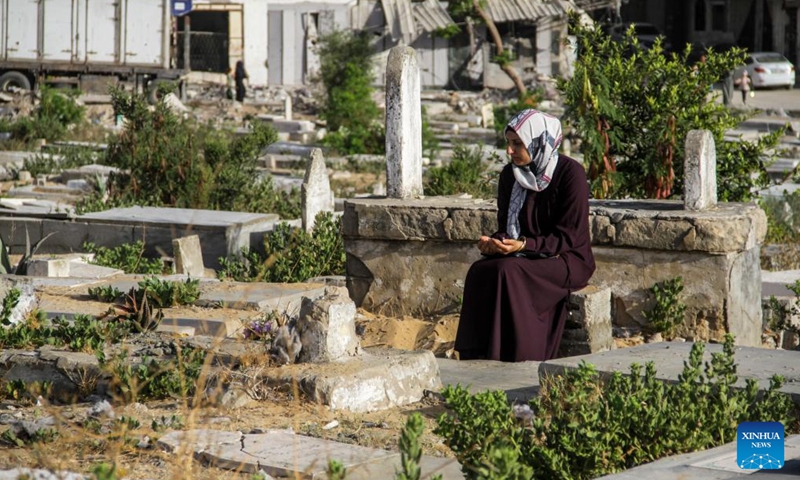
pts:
pixel 78 448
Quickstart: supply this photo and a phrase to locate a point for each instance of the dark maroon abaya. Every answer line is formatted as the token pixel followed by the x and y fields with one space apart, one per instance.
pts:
pixel 514 308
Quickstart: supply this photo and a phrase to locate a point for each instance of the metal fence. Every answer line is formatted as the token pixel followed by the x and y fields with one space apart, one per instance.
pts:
pixel 208 51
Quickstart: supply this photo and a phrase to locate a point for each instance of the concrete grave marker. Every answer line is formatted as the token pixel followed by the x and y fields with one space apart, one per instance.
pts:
pixel 287 107
pixel 316 194
pixel 403 124
pixel 700 171
pixel 188 256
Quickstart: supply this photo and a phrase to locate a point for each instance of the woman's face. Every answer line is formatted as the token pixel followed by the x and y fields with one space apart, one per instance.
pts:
pixel 517 149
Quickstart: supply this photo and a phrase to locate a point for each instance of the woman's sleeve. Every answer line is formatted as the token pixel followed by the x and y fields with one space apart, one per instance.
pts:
pixel 571 228
pixel 503 199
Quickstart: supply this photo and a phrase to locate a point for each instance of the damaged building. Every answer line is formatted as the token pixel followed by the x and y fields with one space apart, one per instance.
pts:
pixel 277 39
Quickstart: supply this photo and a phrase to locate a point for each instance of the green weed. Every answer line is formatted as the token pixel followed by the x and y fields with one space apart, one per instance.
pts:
pixel 128 257
pixel 106 293
pixel 668 312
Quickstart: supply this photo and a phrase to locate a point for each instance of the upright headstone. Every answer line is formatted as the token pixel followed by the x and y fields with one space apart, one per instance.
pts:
pixel 700 171
pixel 188 256
pixel 403 124
pixel 316 194
pixel 287 107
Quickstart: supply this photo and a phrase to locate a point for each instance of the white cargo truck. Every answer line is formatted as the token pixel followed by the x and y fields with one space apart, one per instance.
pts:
pixel 84 42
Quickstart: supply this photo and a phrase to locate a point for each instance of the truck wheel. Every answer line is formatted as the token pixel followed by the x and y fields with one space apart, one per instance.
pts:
pixel 13 79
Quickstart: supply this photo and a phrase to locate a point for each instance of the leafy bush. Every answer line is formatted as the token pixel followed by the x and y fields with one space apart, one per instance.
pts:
pixel 128 257
pixel 353 118
pixel 633 107
pixel 56 113
pixel 583 427
pixel 465 173
pixel 292 255
pixel 173 162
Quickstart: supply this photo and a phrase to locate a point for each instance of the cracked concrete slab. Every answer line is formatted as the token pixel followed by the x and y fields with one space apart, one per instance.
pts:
pixel 278 453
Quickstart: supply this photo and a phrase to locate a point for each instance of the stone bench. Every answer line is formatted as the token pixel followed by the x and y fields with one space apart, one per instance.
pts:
pixel 588 325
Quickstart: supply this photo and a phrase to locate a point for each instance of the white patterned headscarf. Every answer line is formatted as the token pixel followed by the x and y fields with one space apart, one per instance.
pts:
pixel 542 134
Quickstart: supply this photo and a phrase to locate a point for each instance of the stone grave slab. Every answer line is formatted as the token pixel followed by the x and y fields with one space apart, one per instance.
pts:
pixel 713 464
pixel 759 364
pixel 221 233
pixel 379 379
pixel 774 283
pixel 260 296
pixel 519 380
pixel 278 453
pixel 87 270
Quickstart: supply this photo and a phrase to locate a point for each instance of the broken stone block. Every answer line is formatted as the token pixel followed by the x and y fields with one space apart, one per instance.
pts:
pixel 49 267
pixel 25 176
pixel 588 326
pixel 327 328
pixel 188 256
pixel 376 380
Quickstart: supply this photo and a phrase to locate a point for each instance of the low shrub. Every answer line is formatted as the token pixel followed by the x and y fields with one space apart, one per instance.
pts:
pixel 128 257
pixel 465 173
pixel 291 254
pixel 56 113
pixel 582 426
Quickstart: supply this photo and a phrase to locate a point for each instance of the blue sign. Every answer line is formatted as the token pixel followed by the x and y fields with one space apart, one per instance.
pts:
pixel 759 445
pixel 181 7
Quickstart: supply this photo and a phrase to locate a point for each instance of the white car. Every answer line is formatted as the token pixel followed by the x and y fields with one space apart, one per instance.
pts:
pixel 768 69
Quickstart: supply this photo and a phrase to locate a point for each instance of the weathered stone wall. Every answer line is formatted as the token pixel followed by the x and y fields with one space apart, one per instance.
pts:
pixel 411 256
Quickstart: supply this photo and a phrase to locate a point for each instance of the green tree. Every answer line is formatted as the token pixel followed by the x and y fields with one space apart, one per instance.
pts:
pixel 352 116
pixel 633 108
pixel 470 11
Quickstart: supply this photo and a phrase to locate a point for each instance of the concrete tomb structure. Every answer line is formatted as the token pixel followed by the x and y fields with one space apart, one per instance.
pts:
pixel 221 233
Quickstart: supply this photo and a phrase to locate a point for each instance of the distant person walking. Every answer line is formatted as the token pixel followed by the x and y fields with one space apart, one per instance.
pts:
pixel 229 84
pixel 239 76
pixel 745 83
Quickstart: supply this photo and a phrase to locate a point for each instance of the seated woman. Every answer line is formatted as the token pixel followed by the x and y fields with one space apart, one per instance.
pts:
pixel 515 299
